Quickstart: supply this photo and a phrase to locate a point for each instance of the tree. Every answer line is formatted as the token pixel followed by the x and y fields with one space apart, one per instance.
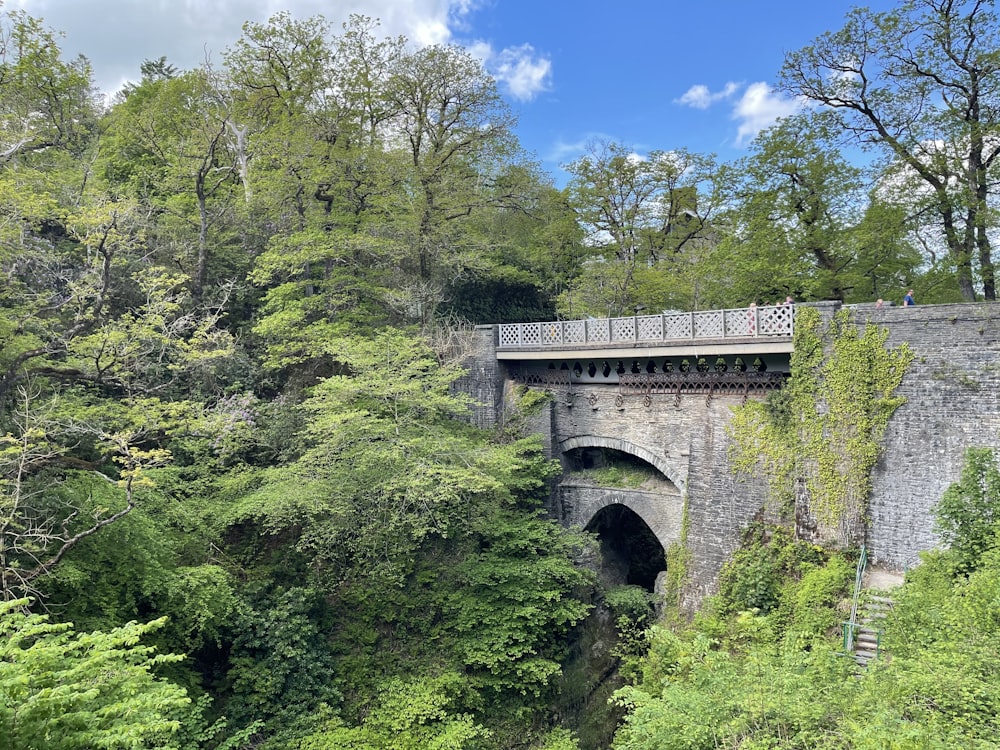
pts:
pixel 645 214
pixel 45 102
pixel 278 84
pixel 920 84
pixel 457 133
pixel 66 691
pixel 811 196
pixel 169 147
pixel 968 515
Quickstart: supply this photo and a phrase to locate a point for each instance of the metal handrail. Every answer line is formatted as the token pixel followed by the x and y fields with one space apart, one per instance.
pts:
pixel 851 625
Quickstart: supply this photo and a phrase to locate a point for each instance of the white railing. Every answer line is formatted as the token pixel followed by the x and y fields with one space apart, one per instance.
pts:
pixel 741 323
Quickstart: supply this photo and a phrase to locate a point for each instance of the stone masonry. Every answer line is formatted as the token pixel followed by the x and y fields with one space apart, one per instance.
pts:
pixel 952 403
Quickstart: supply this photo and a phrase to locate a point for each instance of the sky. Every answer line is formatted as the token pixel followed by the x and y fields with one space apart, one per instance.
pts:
pixel 648 74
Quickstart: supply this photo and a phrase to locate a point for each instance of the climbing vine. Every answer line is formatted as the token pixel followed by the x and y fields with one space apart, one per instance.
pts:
pixel 817 440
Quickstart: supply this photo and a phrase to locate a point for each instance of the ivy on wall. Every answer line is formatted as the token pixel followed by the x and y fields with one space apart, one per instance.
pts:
pixel 817 440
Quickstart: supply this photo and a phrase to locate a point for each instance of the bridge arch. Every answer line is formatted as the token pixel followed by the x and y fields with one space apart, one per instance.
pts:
pixel 624 446
pixel 659 508
pixel 631 552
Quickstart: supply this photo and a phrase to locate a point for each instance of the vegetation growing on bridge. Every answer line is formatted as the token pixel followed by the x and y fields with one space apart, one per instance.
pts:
pixel 817 440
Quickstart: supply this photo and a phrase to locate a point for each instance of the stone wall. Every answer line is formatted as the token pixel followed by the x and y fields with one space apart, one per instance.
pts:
pixel 661 511
pixel 485 380
pixel 687 442
pixel 953 403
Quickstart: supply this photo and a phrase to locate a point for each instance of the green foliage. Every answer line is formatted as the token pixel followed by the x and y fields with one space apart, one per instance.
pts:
pixel 64 690
pixel 422 714
pixel 505 296
pixel 632 608
pixel 809 605
pixel 511 598
pixel 825 430
pixel 776 680
pixel 968 515
pixel 632 602
pixel 279 669
pixel 647 220
pixel 880 101
pixel 618 475
pixel 753 579
pixel 205 416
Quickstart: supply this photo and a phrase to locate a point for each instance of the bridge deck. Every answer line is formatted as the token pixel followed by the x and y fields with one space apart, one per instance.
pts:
pixel 741 331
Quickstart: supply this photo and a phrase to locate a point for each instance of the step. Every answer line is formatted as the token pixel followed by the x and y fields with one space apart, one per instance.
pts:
pixel 880 599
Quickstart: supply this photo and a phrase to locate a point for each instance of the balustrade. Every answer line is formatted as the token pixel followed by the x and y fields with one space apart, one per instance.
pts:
pixel 740 323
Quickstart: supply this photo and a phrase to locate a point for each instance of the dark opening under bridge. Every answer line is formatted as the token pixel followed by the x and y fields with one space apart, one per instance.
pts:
pixel 619 390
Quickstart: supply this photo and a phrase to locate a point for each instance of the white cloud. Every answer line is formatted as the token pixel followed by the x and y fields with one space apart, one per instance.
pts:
pixel 700 97
pixel 563 152
pixel 522 71
pixel 518 69
pixel 759 108
pixel 117 35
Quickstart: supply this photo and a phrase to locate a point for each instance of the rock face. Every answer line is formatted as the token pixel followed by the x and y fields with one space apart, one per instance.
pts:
pixel 953 403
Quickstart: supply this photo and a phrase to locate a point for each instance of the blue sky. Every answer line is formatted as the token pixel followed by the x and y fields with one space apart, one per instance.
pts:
pixel 651 74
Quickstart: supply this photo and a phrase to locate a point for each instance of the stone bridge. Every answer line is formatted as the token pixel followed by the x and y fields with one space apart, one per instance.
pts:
pixel 658 394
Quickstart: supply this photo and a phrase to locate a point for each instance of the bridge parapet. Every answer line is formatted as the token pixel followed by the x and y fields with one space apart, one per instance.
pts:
pixel 737 325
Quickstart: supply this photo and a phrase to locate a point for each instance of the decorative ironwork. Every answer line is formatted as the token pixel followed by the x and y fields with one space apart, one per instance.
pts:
pixel 543 378
pixel 710 383
pixel 739 323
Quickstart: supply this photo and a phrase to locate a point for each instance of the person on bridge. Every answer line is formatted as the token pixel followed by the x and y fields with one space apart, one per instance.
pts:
pixel 908 299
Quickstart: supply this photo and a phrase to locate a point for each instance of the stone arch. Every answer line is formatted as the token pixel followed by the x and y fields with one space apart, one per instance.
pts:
pixel 597 441
pixel 661 511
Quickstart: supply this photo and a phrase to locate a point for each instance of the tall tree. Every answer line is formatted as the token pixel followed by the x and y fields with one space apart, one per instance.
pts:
pixel 169 143
pixel 921 84
pixel 457 133
pixel 642 212
pixel 45 101
pixel 791 225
